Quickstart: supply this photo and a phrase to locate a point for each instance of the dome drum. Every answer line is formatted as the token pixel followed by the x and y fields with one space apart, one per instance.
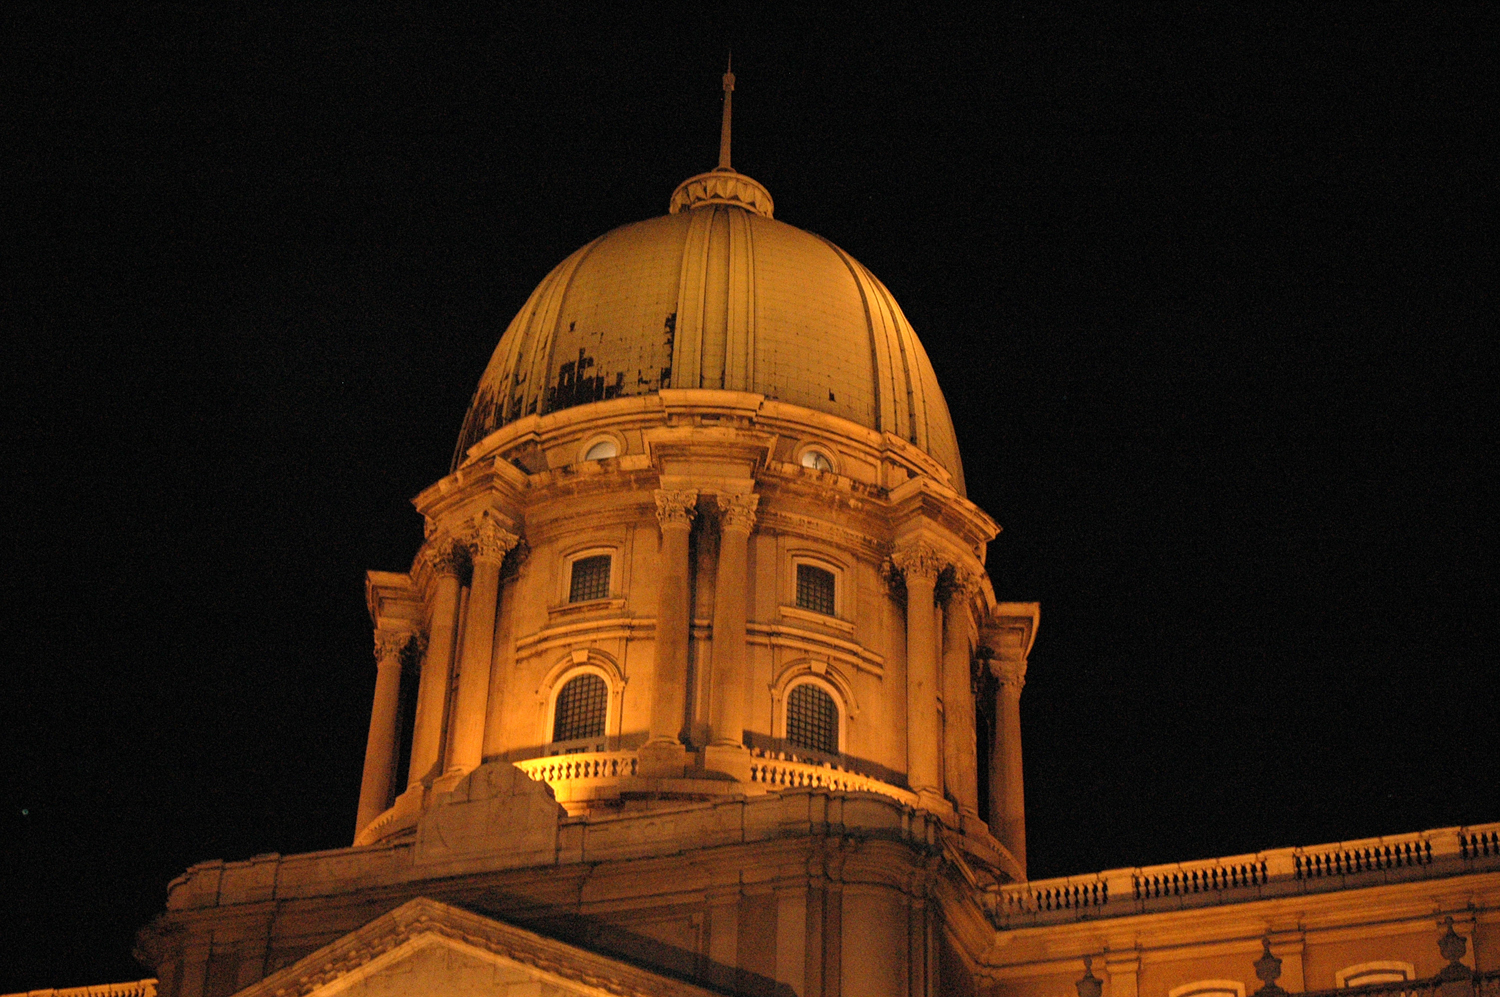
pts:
pixel 715 448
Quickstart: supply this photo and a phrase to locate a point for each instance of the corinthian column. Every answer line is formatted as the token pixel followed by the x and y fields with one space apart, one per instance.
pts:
pixel 1007 792
pixel 380 746
pixel 960 751
pixel 663 754
pixel 921 563
pixel 731 678
pixel 432 689
pixel 488 544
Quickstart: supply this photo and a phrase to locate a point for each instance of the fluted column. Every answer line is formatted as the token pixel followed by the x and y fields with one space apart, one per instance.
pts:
pixel 663 753
pixel 488 543
pixel 731 677
pixel 960 749
pixel 921 563
pixel 380 745
pixel 1007 791
pixel 432 689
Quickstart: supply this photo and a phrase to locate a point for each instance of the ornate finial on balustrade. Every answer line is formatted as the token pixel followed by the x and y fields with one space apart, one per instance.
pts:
pixel 1090 985
pixel 1268 970
pixel 1453 946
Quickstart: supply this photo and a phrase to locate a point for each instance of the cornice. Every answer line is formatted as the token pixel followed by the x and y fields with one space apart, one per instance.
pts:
pixel 774 519
pixel 570 633
pixel 492 483
pixel 812 642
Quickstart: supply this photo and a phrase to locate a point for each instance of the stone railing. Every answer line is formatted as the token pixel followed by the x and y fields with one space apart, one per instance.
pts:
pixel 135 988
pixel 772 769
pixel 558 770
pixel 776 771
pixel 1316 868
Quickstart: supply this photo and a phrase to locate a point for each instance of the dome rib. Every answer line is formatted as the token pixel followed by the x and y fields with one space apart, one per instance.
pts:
pixel 551 327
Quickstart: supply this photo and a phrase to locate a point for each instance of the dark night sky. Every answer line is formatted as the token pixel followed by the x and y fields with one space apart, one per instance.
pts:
pixel 1206 294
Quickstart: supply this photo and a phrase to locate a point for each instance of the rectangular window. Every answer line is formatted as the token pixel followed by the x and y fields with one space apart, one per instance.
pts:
pixel 590 579
pixel 815 589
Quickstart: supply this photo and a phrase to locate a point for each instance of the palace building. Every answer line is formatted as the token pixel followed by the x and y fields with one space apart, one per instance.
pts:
pixel 698 685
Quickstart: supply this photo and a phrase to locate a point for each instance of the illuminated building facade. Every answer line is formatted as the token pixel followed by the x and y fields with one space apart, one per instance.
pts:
pixel 698 685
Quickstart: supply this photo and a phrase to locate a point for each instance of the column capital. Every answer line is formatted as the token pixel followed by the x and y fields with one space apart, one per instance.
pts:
pixel 440 556
pixel 1010 671
pixel 488 541
pixel 919 559
pixel 676 508
pixel 737 512
pixel 962 585
pixel 390 643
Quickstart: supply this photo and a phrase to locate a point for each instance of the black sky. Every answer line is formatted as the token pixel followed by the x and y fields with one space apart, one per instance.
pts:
pixel 1206 293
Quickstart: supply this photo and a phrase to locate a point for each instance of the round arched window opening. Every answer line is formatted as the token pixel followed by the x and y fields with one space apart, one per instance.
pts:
pixel 602 450
pixel 817 460
pixel 812 718
pixel 582 707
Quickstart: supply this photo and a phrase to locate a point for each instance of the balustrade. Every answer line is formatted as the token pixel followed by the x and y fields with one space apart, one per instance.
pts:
pixel 1226 880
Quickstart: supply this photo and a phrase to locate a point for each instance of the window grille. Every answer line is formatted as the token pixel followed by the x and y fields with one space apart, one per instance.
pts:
pixel 582 705
pixel 590 579
pixel 814 589
pixel 812 719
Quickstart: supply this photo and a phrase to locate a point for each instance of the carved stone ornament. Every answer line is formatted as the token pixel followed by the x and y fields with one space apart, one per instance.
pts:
pixel 737 512
pixel 1090 985
pixel 676 508
pixel 1009 671
pixel 722 188
pixel 919 560
pixel 389 644
pixel 962 586
pixel 439 554
pixel 1268 969
pixel 489 541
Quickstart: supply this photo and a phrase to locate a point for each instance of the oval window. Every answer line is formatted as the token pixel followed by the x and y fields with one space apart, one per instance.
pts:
pixel 817 460
pixel 603 450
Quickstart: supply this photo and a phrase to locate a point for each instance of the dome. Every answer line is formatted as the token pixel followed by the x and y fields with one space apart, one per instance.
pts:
pixel 716 294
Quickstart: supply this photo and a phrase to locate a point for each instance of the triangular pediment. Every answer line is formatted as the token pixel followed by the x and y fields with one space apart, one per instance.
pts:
pixel 429 948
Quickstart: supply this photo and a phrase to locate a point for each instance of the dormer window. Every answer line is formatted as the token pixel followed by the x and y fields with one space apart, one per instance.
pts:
pixel 815 589
pixel 602 450
pixel 817 460
pixel 589 579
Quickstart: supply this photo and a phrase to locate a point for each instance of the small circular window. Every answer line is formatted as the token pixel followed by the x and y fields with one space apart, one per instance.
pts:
pixel 603 450
pixel 817 460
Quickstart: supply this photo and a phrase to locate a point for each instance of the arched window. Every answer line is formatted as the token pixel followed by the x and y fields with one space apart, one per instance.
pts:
pixel 812 718
pixel 1209 988
pixel 817 460
pixel 1366 973
pixel 582 706
pixel 602 450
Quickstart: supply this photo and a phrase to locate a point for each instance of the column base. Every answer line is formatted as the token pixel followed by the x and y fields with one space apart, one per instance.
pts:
pixel 661 760
pixel 731 759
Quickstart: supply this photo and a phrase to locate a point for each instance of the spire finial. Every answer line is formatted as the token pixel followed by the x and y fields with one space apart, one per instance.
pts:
pixel 724 128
